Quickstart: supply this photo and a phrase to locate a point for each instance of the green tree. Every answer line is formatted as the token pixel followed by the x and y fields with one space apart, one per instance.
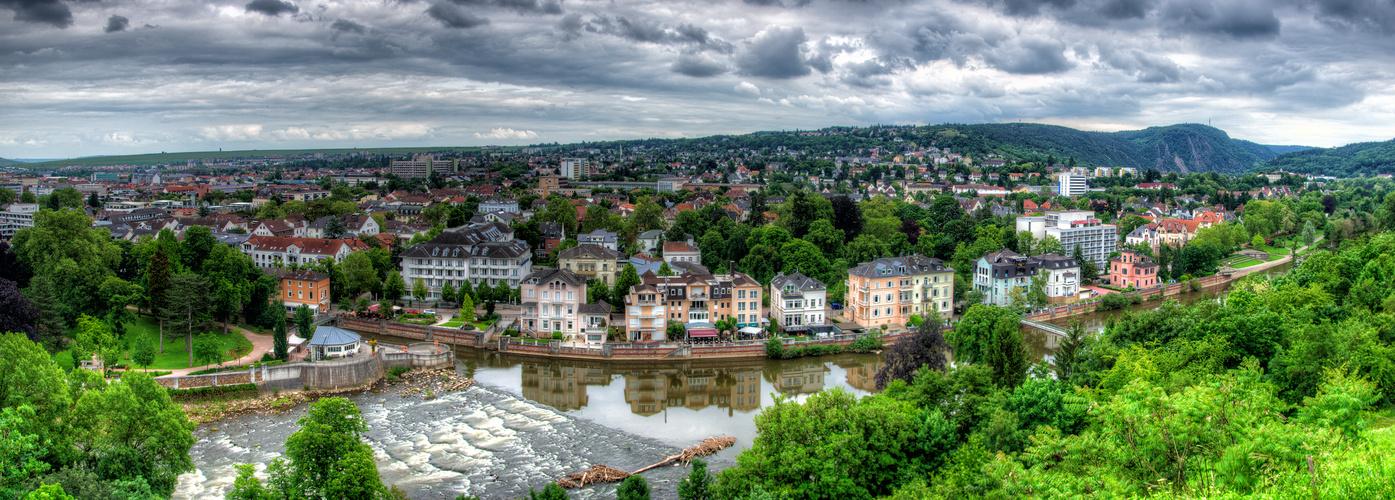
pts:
pixel 49 492
pixel 131 429
pixel 1257 241
pixel 186 307
pixel 419 289
pixel 92 200
pixel 1049 245
pixel 325 459
pixel 280 345
pixel 228 297
pixel 304 319
pixel 664 270
pixel 143 352
pixel 334 228
pixel 628 278
pixel 467 308
pixel 448 293
pixel 20 452
pixel 52 326
pixel 394 287
pixel 992 336
pixel 359 274
pixel 198 243
pixel 157 287
pixel 1070 353
pixel 1309 233
pixel 633 488
pixel 28 197
pixel 208 349
pixel 697 484
pixel 28 377
pixel 550 492
pixel 502 292
pixel 95 337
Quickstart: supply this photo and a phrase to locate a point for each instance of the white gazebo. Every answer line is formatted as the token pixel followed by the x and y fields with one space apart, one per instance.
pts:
pixel 333 342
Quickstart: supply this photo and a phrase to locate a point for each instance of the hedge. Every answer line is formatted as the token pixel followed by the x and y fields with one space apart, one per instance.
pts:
pixel 212 391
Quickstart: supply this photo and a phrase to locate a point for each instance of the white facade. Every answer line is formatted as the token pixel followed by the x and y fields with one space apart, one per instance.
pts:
pixel 798 301
pixel 17 216
pixel 1080 228
pixel 483 254
pixel 572 168
pixel 1071 185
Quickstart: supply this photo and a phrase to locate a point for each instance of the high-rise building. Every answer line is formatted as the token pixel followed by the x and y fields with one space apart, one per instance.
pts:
pixel 573 168
pixel 1071 184
pixel 422 166
pixel 1081 228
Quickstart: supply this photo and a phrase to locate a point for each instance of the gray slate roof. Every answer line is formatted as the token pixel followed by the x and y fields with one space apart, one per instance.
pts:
pixel 329 335
pixel 798 280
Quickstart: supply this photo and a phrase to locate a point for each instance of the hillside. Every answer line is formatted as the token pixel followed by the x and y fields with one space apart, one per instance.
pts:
pixel 1358 159
pixel 6 163
pixel 178 158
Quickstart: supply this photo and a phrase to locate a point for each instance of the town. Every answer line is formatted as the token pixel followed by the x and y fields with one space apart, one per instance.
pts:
pixel 837 241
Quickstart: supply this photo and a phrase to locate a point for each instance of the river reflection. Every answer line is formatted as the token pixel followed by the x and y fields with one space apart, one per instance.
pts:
pixel 678 402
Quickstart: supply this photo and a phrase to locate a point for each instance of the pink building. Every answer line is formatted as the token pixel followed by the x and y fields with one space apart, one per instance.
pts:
pixel 1132 269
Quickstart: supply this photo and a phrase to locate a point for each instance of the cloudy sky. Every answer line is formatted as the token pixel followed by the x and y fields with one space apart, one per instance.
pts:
pixel 88 77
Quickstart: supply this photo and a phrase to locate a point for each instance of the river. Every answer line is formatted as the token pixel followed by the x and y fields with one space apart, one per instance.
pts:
pixel 534 419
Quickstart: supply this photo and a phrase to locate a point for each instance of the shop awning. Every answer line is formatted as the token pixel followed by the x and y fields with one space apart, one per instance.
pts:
pixel 751 330
pixel 702 333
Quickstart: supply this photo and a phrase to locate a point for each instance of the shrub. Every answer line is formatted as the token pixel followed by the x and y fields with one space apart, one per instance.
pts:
pixel 266 356
pixel 774 348
pixel 559 336
pixel 1116 301
pixel 467 327
pixel 866 343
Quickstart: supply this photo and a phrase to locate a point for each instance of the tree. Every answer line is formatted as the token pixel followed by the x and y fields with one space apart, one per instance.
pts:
pixel 143 352
pixel 1070 352
pixel 92 200
pixel 17 312
pixel 448 293
pixel 227 299
pixel 198 243
pixel 1049 245
pixel 992 336
pixel 394 287
pixel 633 488
pixel 847 217
pixel 359 274
pixel 95 337
pixel 334 229
pixel 304 321
pixel 924 349
pixel 697 484
pixel 1257 241
pixel 502 292
pixel 675 331
pixel 628 278
pixel 52 325
pixel 28 197
pixel 823 235
pixel 280 345
pixel 208 349
pixel 187 307
pixel 6 196
pixel 1088 271
pixel 550 492
pixel 1309 233
pixel 419 289
pixel 157 287
pixel 664 270
pixel 131 429
pixel 29 377
pixel 325 459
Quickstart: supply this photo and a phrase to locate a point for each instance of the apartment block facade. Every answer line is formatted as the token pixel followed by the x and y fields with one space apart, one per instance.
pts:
pixel 889 291
pixel 483 254
pixel 690 299
pixel 798 301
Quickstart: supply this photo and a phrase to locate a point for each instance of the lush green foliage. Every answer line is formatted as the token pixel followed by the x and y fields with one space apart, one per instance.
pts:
pixel 325 459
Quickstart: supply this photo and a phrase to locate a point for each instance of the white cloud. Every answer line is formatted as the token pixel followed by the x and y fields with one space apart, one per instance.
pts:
pixel 232 132
pixel 747 88
pixel 508 133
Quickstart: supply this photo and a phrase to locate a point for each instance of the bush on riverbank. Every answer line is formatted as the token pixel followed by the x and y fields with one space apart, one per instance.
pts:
pixel 1116 301
pixel 198 394
pixel 774 349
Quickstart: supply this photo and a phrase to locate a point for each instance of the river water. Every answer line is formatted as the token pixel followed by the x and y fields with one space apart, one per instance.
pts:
pixel 534 419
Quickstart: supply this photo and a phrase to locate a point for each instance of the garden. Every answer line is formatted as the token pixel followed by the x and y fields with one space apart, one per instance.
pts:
pixel 232 345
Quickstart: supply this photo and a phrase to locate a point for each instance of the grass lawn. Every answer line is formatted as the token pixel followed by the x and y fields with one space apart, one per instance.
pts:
pixel 482 325
pixel 175 355
pixel 455 323
pixel 1245 263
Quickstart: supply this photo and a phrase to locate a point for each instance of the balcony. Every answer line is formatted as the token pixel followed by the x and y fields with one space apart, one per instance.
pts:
pixel 698 296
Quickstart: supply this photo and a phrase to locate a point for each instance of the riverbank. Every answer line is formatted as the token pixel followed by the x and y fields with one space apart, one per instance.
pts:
pixel 424 384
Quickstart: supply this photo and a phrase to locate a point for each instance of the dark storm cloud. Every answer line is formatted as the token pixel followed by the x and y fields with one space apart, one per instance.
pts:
pixel 454 17
pixel 869 73
pixel 698 65
pixel 646 31
pixel 1236 18
pixel 347 26
pixel 116 23
pixel 1029 57
pixel 550 7
pixel 1367 15
pixel 774 53
pixel 51 12
pixel 1145 67
pixel 1124 9
pixel 272 7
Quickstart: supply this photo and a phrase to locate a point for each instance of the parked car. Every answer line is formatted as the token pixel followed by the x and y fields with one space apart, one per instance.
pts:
pixel 835 305
pixel 429 311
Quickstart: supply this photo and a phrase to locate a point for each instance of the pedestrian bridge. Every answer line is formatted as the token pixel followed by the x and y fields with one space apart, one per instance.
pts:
pixel 1046 327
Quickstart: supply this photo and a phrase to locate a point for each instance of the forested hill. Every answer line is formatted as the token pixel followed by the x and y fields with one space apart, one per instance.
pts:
pixel 5 162
pixel 1358 159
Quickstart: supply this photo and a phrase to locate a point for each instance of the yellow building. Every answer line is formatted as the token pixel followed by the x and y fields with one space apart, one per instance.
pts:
pixel 591 261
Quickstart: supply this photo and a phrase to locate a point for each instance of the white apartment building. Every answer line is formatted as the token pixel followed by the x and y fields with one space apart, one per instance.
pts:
pixel 421 166
pixel 573 168
pixel 499 204
pixel 798 301
pixel 17 216
pixel 1080 228
pixel 483 254
pixel 1071 184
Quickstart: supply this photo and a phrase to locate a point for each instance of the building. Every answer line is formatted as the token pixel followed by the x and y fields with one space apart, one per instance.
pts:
pixel 332 342
pixel 678 251
pixel 591 261
pixel 552 235
pixel 1075 228
pixel 422 166
pixel 648 241
pixel 573 168
pixel 275 251
pixel 553 301
pixel 17 216
pixel 483 254
pixel 694 300
pixel 798 301
pixel 491 205
pixel 354 225
pixel 306 196
pixel 278 228
pixel 1132 269
pixel 671 184
pixel 997 274
pixel 1071 184
pixel 600 237
pixel 547 185
pixel 889 291
pixel 303 288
